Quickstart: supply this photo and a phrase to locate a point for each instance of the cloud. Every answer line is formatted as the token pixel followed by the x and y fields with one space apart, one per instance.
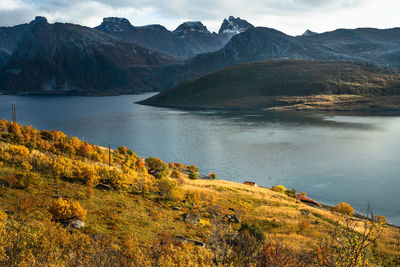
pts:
pixel 291 16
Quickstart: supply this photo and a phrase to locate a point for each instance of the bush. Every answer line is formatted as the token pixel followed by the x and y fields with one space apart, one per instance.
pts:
pixel 181 167
pixel 254 230
pixel 122 150
pixel 158 165
pixel 87 174
pixel 344 208
pixel 175 174
pixel 19 154
pixel 171 165
pixel 26 179
pixel 167 188
pixel 212 176
pixel 63 210
pixel 193 176
pixel 116 178
pixel 279 188
pixel 192 168
pixel 379 219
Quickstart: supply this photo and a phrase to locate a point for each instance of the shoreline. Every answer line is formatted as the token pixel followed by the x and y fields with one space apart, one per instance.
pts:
pixel 324 206
pixel 318 103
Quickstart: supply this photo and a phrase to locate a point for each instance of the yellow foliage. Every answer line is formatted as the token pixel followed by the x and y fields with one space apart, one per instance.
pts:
pixel 63 210
pixel 87 173
pixel 175 174
pixel 19 154
pixel 344 208
pixel 279 188
pixel 26 166
pixel 3 218
pixel 167 188
pixel 186 255
pixel 380 219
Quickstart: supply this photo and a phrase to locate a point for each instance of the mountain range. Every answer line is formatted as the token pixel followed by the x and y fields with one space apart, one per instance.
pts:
pixel 117 57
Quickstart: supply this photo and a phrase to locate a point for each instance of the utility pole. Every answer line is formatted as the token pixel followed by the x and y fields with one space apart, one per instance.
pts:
pixel 14 112
pixel 109 155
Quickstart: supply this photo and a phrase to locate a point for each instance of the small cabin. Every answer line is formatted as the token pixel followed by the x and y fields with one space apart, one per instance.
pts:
pixel 250 183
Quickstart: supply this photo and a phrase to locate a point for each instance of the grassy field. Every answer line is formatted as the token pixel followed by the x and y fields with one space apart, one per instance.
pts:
pixel 154 214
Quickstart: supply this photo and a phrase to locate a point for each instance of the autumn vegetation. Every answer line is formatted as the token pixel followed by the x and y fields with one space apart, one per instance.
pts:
pixel 145 212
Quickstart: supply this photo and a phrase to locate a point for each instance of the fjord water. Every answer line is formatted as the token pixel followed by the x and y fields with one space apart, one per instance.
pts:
pixel 355 159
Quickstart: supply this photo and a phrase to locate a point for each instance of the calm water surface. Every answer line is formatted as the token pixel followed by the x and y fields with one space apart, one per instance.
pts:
pixel 355 159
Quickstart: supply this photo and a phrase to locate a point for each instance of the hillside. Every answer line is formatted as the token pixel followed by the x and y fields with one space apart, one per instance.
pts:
pixel 65 58
pixel 65 202
pixel 273 83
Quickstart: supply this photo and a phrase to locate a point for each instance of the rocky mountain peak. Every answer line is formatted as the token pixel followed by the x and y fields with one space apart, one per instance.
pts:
pixel 191 26
pixel 309 33
pixel 39 20
pixel 115 24
pixel 232 26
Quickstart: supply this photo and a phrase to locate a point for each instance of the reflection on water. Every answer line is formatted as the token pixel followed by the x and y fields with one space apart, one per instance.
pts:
pixel 341 158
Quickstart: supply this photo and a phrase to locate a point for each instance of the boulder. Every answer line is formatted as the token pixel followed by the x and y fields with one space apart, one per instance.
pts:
pixel 232 218
pixel 76 224
pixel 191 218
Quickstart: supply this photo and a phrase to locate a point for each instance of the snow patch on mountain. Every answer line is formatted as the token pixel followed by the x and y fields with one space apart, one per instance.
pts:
pixel 191 26
pixel 233 26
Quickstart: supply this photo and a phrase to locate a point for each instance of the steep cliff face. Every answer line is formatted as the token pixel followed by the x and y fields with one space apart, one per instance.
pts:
pixel 71 58
pixel 8 40
pixel 187 40
pixel 232 26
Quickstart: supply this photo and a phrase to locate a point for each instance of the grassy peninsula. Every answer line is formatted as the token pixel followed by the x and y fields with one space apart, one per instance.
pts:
pixel 64 202
pixel 289 85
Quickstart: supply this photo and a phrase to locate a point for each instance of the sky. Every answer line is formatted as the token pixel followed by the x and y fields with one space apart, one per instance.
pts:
pixel 292 17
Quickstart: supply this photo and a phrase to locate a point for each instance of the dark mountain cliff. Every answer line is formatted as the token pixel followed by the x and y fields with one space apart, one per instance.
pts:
pixel 65 58
pixel 187 40
pixel 8 40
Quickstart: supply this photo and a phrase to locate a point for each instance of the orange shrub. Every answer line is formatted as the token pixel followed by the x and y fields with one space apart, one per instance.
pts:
pixel 63 210
pixel 380 219
pixel 19 154
pixel 181 167
pixel 26 179
pixel 175 174
pixel 167 188
pixel 192 168
pixel 344 208
pixel 123 150
pixel 87 173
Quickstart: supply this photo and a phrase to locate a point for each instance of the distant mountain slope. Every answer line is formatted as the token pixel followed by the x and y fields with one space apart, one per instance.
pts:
pixel 258 44
pixel 187 40
pixel 252 85
pixel 8 40
pixel 64 58
pixel 368 43
pixel 118 57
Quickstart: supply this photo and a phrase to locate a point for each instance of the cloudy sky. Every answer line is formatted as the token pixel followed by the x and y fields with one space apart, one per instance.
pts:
pixel 290 16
